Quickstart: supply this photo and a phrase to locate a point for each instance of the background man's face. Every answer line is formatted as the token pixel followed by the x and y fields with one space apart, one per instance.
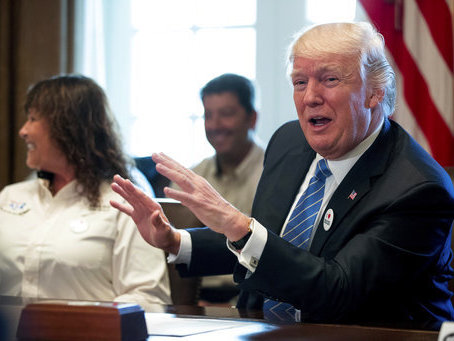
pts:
pixel 227 123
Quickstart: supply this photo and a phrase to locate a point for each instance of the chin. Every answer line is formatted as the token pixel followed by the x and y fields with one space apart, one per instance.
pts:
pixel 224 153
pixel 222 149
pixel 32 164
pixel 323 150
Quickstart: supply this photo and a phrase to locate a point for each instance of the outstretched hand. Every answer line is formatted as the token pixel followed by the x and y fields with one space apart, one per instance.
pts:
pixel 202 199
pixel 147 214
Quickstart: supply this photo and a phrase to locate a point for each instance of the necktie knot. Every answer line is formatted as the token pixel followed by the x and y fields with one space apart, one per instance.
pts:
pixel 322 171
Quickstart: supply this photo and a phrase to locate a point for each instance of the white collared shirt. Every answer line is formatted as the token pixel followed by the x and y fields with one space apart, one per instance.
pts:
pixel 60 247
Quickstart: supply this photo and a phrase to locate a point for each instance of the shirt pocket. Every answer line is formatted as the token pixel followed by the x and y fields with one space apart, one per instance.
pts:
pixel 88 240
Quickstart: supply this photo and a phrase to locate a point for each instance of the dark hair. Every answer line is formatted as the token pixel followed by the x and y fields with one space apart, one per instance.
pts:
pixel 236 84
pixel 83 128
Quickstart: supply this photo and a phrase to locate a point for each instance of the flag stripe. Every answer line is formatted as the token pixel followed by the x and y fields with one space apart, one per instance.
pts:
pixel 415 89
pixel 432 125
pixel 430 63
pixel 438 17
pixel 403 114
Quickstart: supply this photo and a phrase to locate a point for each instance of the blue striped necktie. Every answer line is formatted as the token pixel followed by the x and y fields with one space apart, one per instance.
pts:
pixel 298 232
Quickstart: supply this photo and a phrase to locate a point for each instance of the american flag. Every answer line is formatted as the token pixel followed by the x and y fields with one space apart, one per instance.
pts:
pixel 419 40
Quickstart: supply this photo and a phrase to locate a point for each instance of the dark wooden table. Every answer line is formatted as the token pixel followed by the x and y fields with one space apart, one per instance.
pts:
pixel 247 325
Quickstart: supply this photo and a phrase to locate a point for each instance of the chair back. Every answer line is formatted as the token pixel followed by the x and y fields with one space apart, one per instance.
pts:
pixel 148 167
pixel 184 291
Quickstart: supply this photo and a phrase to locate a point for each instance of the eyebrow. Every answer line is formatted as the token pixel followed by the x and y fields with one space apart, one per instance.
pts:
pixel 326 67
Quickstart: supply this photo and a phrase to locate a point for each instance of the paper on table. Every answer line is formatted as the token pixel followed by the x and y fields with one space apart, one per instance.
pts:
pixel 165 325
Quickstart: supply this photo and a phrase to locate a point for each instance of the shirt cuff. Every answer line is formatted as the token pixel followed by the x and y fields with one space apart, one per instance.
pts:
pixel 184 254
pixel 250 255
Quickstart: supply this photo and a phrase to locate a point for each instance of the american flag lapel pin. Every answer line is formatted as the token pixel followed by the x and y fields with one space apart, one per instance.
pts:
pixel 352 195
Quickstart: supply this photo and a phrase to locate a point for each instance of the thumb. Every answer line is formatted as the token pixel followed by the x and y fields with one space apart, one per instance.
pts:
pixel 159 220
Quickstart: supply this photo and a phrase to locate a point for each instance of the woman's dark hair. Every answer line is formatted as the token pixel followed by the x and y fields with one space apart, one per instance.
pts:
pixel 83 128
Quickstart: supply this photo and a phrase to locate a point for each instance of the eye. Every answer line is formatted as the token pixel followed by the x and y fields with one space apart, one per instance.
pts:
pixel 299 84
pixel 331 81
pixel 227 113
pixel 32 116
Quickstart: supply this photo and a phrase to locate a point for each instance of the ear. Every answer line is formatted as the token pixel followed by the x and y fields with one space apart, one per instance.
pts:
pixel 375 98
pixel 252 118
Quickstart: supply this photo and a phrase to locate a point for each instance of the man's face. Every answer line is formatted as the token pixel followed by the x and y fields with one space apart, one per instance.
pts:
pixel 42 152
pixel 227 123
pixel 333 104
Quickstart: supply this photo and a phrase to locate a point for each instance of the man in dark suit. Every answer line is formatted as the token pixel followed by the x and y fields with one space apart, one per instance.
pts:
pixel 376 247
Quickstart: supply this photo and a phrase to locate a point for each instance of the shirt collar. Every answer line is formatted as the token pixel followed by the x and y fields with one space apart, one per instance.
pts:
pixel 340 167
pixel 73 188
pixel 245 165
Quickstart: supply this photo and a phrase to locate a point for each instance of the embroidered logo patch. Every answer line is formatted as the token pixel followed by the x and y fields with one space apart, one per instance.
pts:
pixel 16 207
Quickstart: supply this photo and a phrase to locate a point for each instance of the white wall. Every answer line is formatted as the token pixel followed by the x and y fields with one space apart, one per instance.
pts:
pixel 277 22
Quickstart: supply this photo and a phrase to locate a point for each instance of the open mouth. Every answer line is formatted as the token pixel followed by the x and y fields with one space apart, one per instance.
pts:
pixel 30 146
pixel 219 136
pixel 319 121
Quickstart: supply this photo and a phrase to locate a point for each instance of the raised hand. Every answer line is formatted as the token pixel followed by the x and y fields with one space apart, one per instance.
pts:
pixel 202 199
pixel 147 214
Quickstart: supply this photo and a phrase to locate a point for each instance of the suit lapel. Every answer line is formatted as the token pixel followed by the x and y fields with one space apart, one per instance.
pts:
pixel 288 175
pixel 354 187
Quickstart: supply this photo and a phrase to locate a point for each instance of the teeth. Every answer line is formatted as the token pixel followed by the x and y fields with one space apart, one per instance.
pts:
pixel 219 136
pixel 30 146
pixel 319 120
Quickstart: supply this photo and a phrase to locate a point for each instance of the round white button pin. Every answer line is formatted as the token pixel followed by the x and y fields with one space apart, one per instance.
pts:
pixel 328 219
pixel 79 226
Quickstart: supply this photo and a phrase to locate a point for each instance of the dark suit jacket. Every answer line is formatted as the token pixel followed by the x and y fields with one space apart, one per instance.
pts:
pixel 385 260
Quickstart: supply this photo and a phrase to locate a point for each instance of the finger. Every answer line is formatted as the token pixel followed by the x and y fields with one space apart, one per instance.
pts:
pixel 165 159
pixel 120 186
pixel 118 189
pixel 181 196
pixel 119 180
pixel 185 178
pixel 121 207
pixel 190 201
pixel 170 165
pixel 181 179
pixel 132 194
pixel 125 184
pixel 126 194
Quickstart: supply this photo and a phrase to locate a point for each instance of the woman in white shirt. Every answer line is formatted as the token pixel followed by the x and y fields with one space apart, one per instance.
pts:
pixel 59 237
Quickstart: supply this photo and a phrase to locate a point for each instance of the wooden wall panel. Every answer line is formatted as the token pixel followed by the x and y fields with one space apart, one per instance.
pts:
pixel 36 42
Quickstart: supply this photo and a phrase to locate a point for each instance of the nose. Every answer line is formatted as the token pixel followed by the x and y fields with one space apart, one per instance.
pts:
pixel 213 121
pixel 23 130
pixel 312 94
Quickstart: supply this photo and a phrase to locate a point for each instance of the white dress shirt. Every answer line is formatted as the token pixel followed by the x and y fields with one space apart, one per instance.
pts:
pixel 60 247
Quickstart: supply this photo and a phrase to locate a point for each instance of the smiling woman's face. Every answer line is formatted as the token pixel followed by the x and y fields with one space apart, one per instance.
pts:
pixel 42 152
pixel 334 109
